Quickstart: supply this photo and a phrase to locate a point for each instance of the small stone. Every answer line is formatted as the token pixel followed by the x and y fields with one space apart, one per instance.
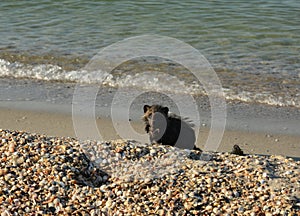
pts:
pixel 152 151
pixel 11 147
pixel 216 210
pixel 119 193
pixel 262 181
pixel 266 208
pixel 104 161
pixel 20 160
pixel 22 141
pixel 108 203
pixel 5 213
pixel 184 196
pixel 236 194
pixel 289 172
pixel 161 212
pixel 3 172
pixel 94 212
pixel 208 208
pixel 241 209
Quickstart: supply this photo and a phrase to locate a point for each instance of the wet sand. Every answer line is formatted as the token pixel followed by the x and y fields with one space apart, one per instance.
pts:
pixel 46 108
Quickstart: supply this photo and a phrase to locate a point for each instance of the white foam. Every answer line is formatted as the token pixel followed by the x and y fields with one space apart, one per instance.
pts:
pixel 263 98
pixel 49 72
pixel 145 80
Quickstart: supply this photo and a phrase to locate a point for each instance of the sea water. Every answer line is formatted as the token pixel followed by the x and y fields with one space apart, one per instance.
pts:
pixel 253 46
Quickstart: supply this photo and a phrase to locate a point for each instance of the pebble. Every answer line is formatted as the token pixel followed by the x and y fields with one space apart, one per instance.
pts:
pixel 11 147
pixel 152 151
pixel 62 176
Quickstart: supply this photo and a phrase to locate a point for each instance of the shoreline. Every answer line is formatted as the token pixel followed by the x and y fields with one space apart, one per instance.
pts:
pixel 59 124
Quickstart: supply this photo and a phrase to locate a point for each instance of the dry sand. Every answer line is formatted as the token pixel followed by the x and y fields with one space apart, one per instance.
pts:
pixel 59 124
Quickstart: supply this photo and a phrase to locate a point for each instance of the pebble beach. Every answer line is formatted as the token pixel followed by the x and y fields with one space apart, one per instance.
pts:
pixel 42 175
pixel 70 72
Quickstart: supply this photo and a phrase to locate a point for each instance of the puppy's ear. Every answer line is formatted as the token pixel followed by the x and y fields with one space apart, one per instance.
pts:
pixel 146 108
pixel 165 110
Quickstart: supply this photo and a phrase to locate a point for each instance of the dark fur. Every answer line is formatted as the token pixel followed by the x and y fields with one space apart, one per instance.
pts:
pixel 167 129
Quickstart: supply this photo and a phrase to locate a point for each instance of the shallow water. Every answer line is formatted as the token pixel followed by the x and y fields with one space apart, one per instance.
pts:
pixel 253 46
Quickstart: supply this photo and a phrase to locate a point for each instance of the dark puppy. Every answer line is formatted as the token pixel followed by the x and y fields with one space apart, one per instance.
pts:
pixel 168 129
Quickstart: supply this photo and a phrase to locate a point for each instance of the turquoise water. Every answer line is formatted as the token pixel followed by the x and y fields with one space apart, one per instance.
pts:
pixel 253 45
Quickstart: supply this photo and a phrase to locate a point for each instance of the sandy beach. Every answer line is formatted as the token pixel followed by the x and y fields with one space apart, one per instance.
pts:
pixel 131 177
pixel 74 79
pixel 126 177
pixel 60 124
